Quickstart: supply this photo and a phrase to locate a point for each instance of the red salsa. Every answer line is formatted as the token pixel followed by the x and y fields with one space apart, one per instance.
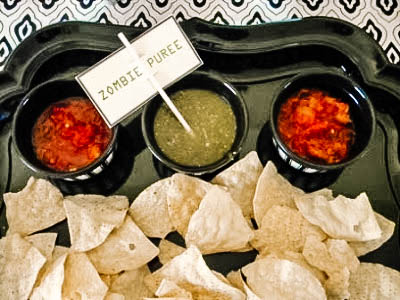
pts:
pixel 316 126
pixel 70 134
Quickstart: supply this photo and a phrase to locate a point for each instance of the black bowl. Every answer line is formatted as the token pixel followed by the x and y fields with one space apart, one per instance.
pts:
pixel 29 110
pixel 205 81
pixel 337 85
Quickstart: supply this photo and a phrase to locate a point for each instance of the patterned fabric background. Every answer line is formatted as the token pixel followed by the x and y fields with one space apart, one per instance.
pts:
pixel 19 18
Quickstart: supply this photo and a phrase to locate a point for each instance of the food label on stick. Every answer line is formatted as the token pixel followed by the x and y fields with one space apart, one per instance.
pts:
pixel 117 85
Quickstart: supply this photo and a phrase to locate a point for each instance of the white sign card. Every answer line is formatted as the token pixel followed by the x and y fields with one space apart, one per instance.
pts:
pixel 116 85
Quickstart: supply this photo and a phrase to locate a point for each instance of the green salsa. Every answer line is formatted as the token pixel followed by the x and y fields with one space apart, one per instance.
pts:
pixel 212 121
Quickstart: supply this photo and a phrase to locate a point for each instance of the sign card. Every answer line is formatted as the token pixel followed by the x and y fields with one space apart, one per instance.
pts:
pixel 117 85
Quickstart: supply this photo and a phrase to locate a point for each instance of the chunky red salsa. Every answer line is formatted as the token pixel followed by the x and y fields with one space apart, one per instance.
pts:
pixel 316 126
pixel 70 134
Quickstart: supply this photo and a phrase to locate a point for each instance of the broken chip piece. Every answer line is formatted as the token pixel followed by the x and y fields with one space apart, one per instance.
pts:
pixel 341 218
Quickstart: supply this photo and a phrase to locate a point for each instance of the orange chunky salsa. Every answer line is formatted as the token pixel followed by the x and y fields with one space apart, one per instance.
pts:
pixel 316 126
pixel 70 134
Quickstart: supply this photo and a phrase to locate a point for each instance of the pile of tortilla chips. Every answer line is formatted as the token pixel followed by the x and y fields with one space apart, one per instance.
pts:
pixel 308 243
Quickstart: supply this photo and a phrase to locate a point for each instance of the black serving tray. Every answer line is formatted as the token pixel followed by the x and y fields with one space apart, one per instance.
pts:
pixel 256 59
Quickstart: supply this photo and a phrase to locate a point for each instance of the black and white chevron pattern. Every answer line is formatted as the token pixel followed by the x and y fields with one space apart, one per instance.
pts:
pixel 19 18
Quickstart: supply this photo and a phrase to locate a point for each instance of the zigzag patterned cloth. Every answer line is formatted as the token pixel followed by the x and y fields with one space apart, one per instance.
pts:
pixel 19 18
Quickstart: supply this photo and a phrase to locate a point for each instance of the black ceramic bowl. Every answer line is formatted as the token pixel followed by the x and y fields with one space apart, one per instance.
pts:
pixel 337 85
pixel 28 111
pixel 205 81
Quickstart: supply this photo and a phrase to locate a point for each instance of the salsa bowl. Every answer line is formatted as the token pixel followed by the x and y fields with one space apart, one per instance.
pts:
pixel 350 113
pixel 34 106
pixel 205 83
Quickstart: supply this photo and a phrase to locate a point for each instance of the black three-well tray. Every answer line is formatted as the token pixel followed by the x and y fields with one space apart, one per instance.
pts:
pixel 256 59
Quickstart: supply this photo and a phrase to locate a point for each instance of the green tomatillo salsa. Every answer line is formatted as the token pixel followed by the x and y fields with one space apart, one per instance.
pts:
pixel 212 121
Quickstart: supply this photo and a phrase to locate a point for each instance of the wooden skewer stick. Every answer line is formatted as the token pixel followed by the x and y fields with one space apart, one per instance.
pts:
pixel 154 82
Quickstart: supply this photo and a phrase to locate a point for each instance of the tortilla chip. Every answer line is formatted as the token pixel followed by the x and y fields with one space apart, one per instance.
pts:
pixel 59 251
pixel 299 259
pixel 341 218
pixel 52 280
pixel 169 288
pixel 272 189
pixel 168 251
pixel 284 229
pixel 214 230
pixel 81 280
pixel 126 248
pixel 387 228
pixel 44 242
pixel 241 180
pixel 91 218
pixel 235 279
pixel 271 278
pixel 375 281
pixel 183 198
pixel 190 272
pixel 336 258
pixel 250 294
pixel 150 210
pixel 114 296
pixel 169 298
pixel 20 263
pixel 37 206
pixel 123 284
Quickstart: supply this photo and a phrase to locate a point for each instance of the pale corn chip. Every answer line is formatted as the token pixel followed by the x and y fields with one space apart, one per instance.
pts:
pixel 341 218
pixel 52 280
pixel 342 253
pixel 183 198
pixel 235 279
pixel 271 278
pixel 37 206
pixel 20 263
pixel 190 272
pixel 336 258
pixel 284 229
pixel 169 288
pixel 387 227
pixel 150 210
pixel 123 284
pixel 299 259
pixel 81 280
pixel 214 230
pixel 168 251
pixel 44 242
pixel 91 218
pixel 241 180
pixel 126 248
pixel 221 277
pixel 375 281
pixel 167 298
pixel 272 189
pixel 337 284
pixel 59 251
pixel 114 296
pixel 107 279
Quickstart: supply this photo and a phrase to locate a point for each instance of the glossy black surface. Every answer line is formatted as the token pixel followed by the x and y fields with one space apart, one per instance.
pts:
pixel 256 60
